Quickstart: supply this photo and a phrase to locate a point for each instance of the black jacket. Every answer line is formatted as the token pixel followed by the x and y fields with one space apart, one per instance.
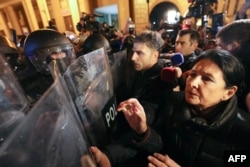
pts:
pixel 189 140
pixel 193 141
pixel 243 56
pixel 188 62
pixel 149 89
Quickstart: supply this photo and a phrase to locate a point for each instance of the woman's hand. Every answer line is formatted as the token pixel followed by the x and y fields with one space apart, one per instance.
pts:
pixel 159 160
pixel 134 114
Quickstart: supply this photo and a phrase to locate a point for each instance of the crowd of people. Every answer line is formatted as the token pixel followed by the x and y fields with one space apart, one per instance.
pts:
pixel 191 120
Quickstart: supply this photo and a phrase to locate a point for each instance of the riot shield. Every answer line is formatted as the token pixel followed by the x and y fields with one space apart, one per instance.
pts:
pixel 49 136
pixel 13 103
pixel 90 83
pixel 118 65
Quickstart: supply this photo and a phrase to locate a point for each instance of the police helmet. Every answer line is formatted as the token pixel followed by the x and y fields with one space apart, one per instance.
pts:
pixel 9 50
pixel 72 37
pixel 7 46
pixel 93 42
pixel 41 45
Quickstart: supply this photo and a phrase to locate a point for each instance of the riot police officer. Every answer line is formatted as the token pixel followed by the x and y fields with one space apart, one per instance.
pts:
pixel 44 49
pixel 10 52
pixel 13 103
pixel 93 42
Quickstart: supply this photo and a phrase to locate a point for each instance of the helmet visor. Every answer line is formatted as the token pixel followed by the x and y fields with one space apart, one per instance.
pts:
pixel 64 55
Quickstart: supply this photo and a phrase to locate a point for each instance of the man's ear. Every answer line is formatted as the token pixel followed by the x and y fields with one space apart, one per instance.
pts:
pixel 156 54
pixel 232 46
pixel 195 45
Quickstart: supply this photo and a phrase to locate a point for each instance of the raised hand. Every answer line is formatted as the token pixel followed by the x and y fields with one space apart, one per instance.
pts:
pixel 134 114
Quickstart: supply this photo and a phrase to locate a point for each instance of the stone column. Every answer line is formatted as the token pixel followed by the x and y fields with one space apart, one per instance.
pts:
pixel 59 13
pixel 44 12
pixel 30 14
pixel 13 19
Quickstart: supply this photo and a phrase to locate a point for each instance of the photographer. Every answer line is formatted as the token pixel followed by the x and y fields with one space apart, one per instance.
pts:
pixel 128 36
pixel 80 25
pixel 87 23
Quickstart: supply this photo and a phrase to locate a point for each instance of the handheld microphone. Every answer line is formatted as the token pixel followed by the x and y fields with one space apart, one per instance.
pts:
pixel 172 59
pixel 248 101
pixel 177 59
pixel 169 74
pixel 165 55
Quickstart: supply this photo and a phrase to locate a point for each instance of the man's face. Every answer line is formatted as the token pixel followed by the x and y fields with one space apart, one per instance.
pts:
pixel 184 45
pixel 221 45
pixel 143 57
pixel 58 55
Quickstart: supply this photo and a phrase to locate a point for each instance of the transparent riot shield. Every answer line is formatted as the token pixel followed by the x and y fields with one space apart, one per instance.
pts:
pixel 90 83
pixel 118 64
pixel 13 103
pixel 49 136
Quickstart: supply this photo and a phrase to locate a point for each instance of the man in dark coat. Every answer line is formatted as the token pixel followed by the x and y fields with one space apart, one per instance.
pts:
pixel 186 43
pixel 143 77
pixel 202 126
pixel 235 37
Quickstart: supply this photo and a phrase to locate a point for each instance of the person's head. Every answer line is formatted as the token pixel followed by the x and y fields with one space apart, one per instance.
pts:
pixel 44 46
pixel 93 42
pixel 211 44
pixel 187 41
pixel 51 23
pixel 215 77
pixel 233 35
pixel 146 49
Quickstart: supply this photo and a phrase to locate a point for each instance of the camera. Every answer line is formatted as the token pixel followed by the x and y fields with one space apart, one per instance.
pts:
pixel 198 8
pixel 131 29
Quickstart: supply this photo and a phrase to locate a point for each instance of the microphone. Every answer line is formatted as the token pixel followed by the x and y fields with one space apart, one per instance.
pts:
pixel 177 59
pixel 165 55
pixel 248 101
pixel 170 74
pixel 172 59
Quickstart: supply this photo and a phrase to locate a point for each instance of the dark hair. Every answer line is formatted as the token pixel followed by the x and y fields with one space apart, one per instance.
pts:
pixel 232 69
pixel 152 39
pixel 238 30
pixel 194 35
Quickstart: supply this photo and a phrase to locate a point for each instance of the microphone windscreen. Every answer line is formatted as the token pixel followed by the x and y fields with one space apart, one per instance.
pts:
pixel 168 74
pixel 248 101
pixel 177 59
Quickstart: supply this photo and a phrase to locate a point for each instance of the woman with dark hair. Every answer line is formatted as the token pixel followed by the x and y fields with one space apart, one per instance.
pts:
pixel 199 126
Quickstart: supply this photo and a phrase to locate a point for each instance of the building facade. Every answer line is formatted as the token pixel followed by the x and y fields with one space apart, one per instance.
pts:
pixel 24 16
